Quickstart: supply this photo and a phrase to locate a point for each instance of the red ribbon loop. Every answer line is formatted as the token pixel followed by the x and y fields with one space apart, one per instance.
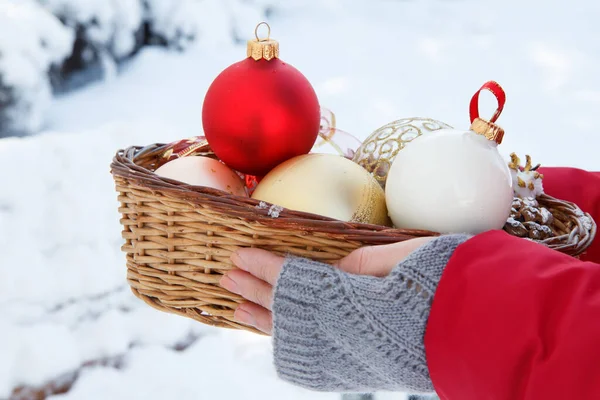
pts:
pixel 497 91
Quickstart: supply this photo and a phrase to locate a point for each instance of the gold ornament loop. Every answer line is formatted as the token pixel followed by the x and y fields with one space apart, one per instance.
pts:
pixel 488 129
pixel 262 49
pixel 268 32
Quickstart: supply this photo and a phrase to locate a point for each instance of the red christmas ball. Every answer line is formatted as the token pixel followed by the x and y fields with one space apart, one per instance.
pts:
pixel 260 113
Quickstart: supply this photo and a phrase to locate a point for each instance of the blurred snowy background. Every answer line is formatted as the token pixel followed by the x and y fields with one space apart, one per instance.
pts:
pixel 80 79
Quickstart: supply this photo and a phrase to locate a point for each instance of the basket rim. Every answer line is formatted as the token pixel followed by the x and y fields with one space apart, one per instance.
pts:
pixel 124 165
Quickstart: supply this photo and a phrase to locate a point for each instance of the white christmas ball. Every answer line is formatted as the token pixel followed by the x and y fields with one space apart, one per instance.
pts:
pixel 450 182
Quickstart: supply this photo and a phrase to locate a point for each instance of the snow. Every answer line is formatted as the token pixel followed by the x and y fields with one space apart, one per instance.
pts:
pixel 109 24
pixel 546 215
pixel 246 370
pixel 513 222
pixel 63 297
pixel 275 210
pixel 170 20
pixel 586 223
pixel 31 40
pixel 529 178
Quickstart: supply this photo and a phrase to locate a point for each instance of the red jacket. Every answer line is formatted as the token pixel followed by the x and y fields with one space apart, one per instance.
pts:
pixel 514 320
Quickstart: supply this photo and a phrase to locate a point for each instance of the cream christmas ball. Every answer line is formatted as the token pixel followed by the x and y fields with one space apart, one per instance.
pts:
pixel 327 185
pixel 203 171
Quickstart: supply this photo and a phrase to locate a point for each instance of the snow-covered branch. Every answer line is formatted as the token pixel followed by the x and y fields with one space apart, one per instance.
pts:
pixel 60 45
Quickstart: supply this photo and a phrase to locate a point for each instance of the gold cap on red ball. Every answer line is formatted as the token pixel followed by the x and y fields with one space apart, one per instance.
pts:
pixel 263 48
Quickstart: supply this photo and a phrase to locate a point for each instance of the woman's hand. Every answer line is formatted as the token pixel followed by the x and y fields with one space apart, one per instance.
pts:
pixel 259 270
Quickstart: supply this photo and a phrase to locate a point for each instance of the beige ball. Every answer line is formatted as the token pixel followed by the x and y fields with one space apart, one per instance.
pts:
pixel 326 185
pixel 203 171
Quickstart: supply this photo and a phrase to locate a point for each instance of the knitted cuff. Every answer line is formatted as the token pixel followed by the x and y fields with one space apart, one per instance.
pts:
pixel 297 342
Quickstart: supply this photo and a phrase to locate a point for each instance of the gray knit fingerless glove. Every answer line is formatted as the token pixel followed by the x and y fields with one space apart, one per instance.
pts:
pixel 334 331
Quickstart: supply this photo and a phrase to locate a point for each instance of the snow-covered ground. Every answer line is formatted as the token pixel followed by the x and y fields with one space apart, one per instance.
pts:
pixel 63 301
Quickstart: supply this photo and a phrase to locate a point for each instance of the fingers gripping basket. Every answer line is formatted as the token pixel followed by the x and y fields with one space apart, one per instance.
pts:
pixel 179 238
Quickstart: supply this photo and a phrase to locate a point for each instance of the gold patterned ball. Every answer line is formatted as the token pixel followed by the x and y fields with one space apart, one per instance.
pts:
pixel 379 150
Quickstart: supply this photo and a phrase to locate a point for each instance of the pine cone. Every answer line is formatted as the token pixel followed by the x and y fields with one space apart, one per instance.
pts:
pixel 530 220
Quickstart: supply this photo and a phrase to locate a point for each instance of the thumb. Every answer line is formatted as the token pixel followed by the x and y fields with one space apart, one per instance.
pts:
pixel 379 260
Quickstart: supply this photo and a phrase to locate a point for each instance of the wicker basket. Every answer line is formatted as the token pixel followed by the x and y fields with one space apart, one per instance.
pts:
pixel 178 238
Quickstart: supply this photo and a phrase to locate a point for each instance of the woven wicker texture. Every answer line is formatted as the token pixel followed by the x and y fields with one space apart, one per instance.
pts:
pixel 178 238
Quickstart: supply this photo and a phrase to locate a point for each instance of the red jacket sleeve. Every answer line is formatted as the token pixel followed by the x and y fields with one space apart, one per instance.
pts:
pixel 580 187
pixel 514 320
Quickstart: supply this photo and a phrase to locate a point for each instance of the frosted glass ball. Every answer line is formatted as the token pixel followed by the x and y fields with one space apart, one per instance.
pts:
pixel 450 182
